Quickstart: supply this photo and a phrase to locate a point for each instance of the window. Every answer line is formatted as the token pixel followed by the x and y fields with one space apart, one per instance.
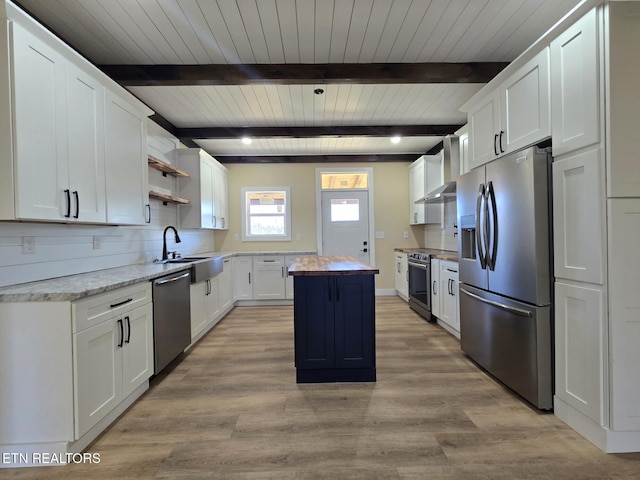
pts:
pixel 345 210
pixel 344 180
pixel 266 214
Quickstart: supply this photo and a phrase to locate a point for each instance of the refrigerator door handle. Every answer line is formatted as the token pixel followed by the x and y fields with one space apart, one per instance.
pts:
pixel 479 237
pixel 502 306
pixel 493 231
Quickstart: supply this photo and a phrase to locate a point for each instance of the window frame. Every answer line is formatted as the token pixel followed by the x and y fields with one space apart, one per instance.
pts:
pixel 246 216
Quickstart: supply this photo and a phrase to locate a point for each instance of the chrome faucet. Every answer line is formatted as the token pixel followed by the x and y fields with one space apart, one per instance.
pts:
pixel 164 241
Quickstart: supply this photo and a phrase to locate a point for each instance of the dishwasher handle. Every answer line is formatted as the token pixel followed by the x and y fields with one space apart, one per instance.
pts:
pixel 172 279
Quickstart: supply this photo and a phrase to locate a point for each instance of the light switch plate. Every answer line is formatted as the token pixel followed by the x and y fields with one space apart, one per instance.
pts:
pixel 379 234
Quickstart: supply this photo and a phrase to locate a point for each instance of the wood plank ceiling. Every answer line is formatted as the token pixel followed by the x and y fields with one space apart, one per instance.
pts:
pixel 217 70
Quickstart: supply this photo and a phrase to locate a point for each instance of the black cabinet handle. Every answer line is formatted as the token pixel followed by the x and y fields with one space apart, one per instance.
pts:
pixel 433 287
pixel 495 144
pixel 124 302
pixel 77 199
pixel 121 333
pixel 501 149
pixel 249 278
pixel 67 193
pixel 148 207
pixel 128 329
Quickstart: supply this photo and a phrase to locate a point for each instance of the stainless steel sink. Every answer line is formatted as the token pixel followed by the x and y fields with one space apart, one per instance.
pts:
pixel 202 268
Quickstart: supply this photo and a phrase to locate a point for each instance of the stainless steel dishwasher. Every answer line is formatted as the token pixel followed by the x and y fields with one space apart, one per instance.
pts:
pixel 171 317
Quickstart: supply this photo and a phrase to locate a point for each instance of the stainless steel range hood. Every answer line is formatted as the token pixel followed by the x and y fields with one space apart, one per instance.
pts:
pixel 451 170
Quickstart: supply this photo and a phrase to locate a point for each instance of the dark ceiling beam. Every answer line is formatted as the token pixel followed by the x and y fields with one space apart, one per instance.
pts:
pixel 318 73
pixel 308 132
pixel 402 157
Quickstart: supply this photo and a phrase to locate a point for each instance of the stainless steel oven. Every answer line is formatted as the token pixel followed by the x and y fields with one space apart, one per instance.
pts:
pixel 420 283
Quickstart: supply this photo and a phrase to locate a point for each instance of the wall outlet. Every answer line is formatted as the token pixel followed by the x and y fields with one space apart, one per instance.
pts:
pixel 405 234
pixel 97 242
pixel 28 245
pixel 298 236
pixel 236 237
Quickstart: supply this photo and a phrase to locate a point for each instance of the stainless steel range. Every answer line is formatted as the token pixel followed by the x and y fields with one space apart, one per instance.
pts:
pixel 420 283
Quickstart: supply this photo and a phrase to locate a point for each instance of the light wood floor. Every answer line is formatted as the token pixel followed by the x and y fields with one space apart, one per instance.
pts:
pixel 231 409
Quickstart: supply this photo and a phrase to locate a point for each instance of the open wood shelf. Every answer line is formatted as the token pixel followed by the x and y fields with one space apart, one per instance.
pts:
pixel 166 198
pixel 165 167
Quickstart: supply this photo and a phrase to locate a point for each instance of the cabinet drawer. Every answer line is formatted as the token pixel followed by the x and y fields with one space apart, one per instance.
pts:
pixel 96 309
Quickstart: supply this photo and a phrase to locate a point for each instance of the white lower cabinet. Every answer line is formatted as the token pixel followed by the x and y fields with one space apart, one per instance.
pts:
pixel 579 328
pixel 435 287
pixel 269 273
pixel 401 270
pixel 211 300
pixel 112 358
pixel 225 284
pixel 449 301
pixel 205 305
pixel 242 282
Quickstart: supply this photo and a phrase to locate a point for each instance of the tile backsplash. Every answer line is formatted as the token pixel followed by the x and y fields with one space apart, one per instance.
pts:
pixel 442 237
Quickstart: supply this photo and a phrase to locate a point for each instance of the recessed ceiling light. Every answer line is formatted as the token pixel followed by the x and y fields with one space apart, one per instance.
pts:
pixel 246 140
pixel 395 139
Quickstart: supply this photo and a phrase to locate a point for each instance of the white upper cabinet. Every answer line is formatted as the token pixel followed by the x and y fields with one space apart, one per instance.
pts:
pixel 417 189
pixel 484 130
pixel 60 176
pixel 425 175
pixel 75 142
pixel 206 189
pixel 126 162
pixel 575 91
pixel 514 115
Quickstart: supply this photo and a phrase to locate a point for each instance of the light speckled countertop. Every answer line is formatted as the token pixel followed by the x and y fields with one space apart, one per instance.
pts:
pixel 74 287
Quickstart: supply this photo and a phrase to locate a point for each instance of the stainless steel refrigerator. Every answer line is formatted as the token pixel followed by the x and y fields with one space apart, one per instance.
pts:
pixel 506 273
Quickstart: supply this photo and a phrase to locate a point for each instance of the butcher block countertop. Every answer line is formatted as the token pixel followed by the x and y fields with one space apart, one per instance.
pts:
pixel 314 265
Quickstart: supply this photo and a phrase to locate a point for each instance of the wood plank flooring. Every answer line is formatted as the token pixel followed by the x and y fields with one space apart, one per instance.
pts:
pixel 231 410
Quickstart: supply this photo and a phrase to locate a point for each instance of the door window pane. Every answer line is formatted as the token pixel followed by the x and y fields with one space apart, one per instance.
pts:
pixel 345 210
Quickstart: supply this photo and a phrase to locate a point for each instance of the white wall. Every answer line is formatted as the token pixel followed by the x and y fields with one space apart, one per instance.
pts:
pixel 436 236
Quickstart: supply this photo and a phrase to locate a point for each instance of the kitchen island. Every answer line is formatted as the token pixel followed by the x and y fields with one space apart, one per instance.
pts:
pixel 334 319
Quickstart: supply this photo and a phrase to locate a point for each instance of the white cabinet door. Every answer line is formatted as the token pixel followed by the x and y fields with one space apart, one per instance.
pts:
pixel 242 278
pixel 220 209
pixel 85 127
pixel 137 351
pixel 197 293
pixel 417 188
pixel 484 128
pixel 579 325
pixel 449 302
pixel 575 90
pixel 525 116
pixel 624 312
pixel 269 277
pixel 98 373
pixel 207 193
pixel 578 226
pixel 464 153
pixel 225 284
pixel 435 287
pixel 401 275
pixel 206 188
pixel 40 148
pixel 125 161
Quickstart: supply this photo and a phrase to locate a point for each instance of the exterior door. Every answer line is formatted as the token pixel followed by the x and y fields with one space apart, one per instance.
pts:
pixel 345 223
